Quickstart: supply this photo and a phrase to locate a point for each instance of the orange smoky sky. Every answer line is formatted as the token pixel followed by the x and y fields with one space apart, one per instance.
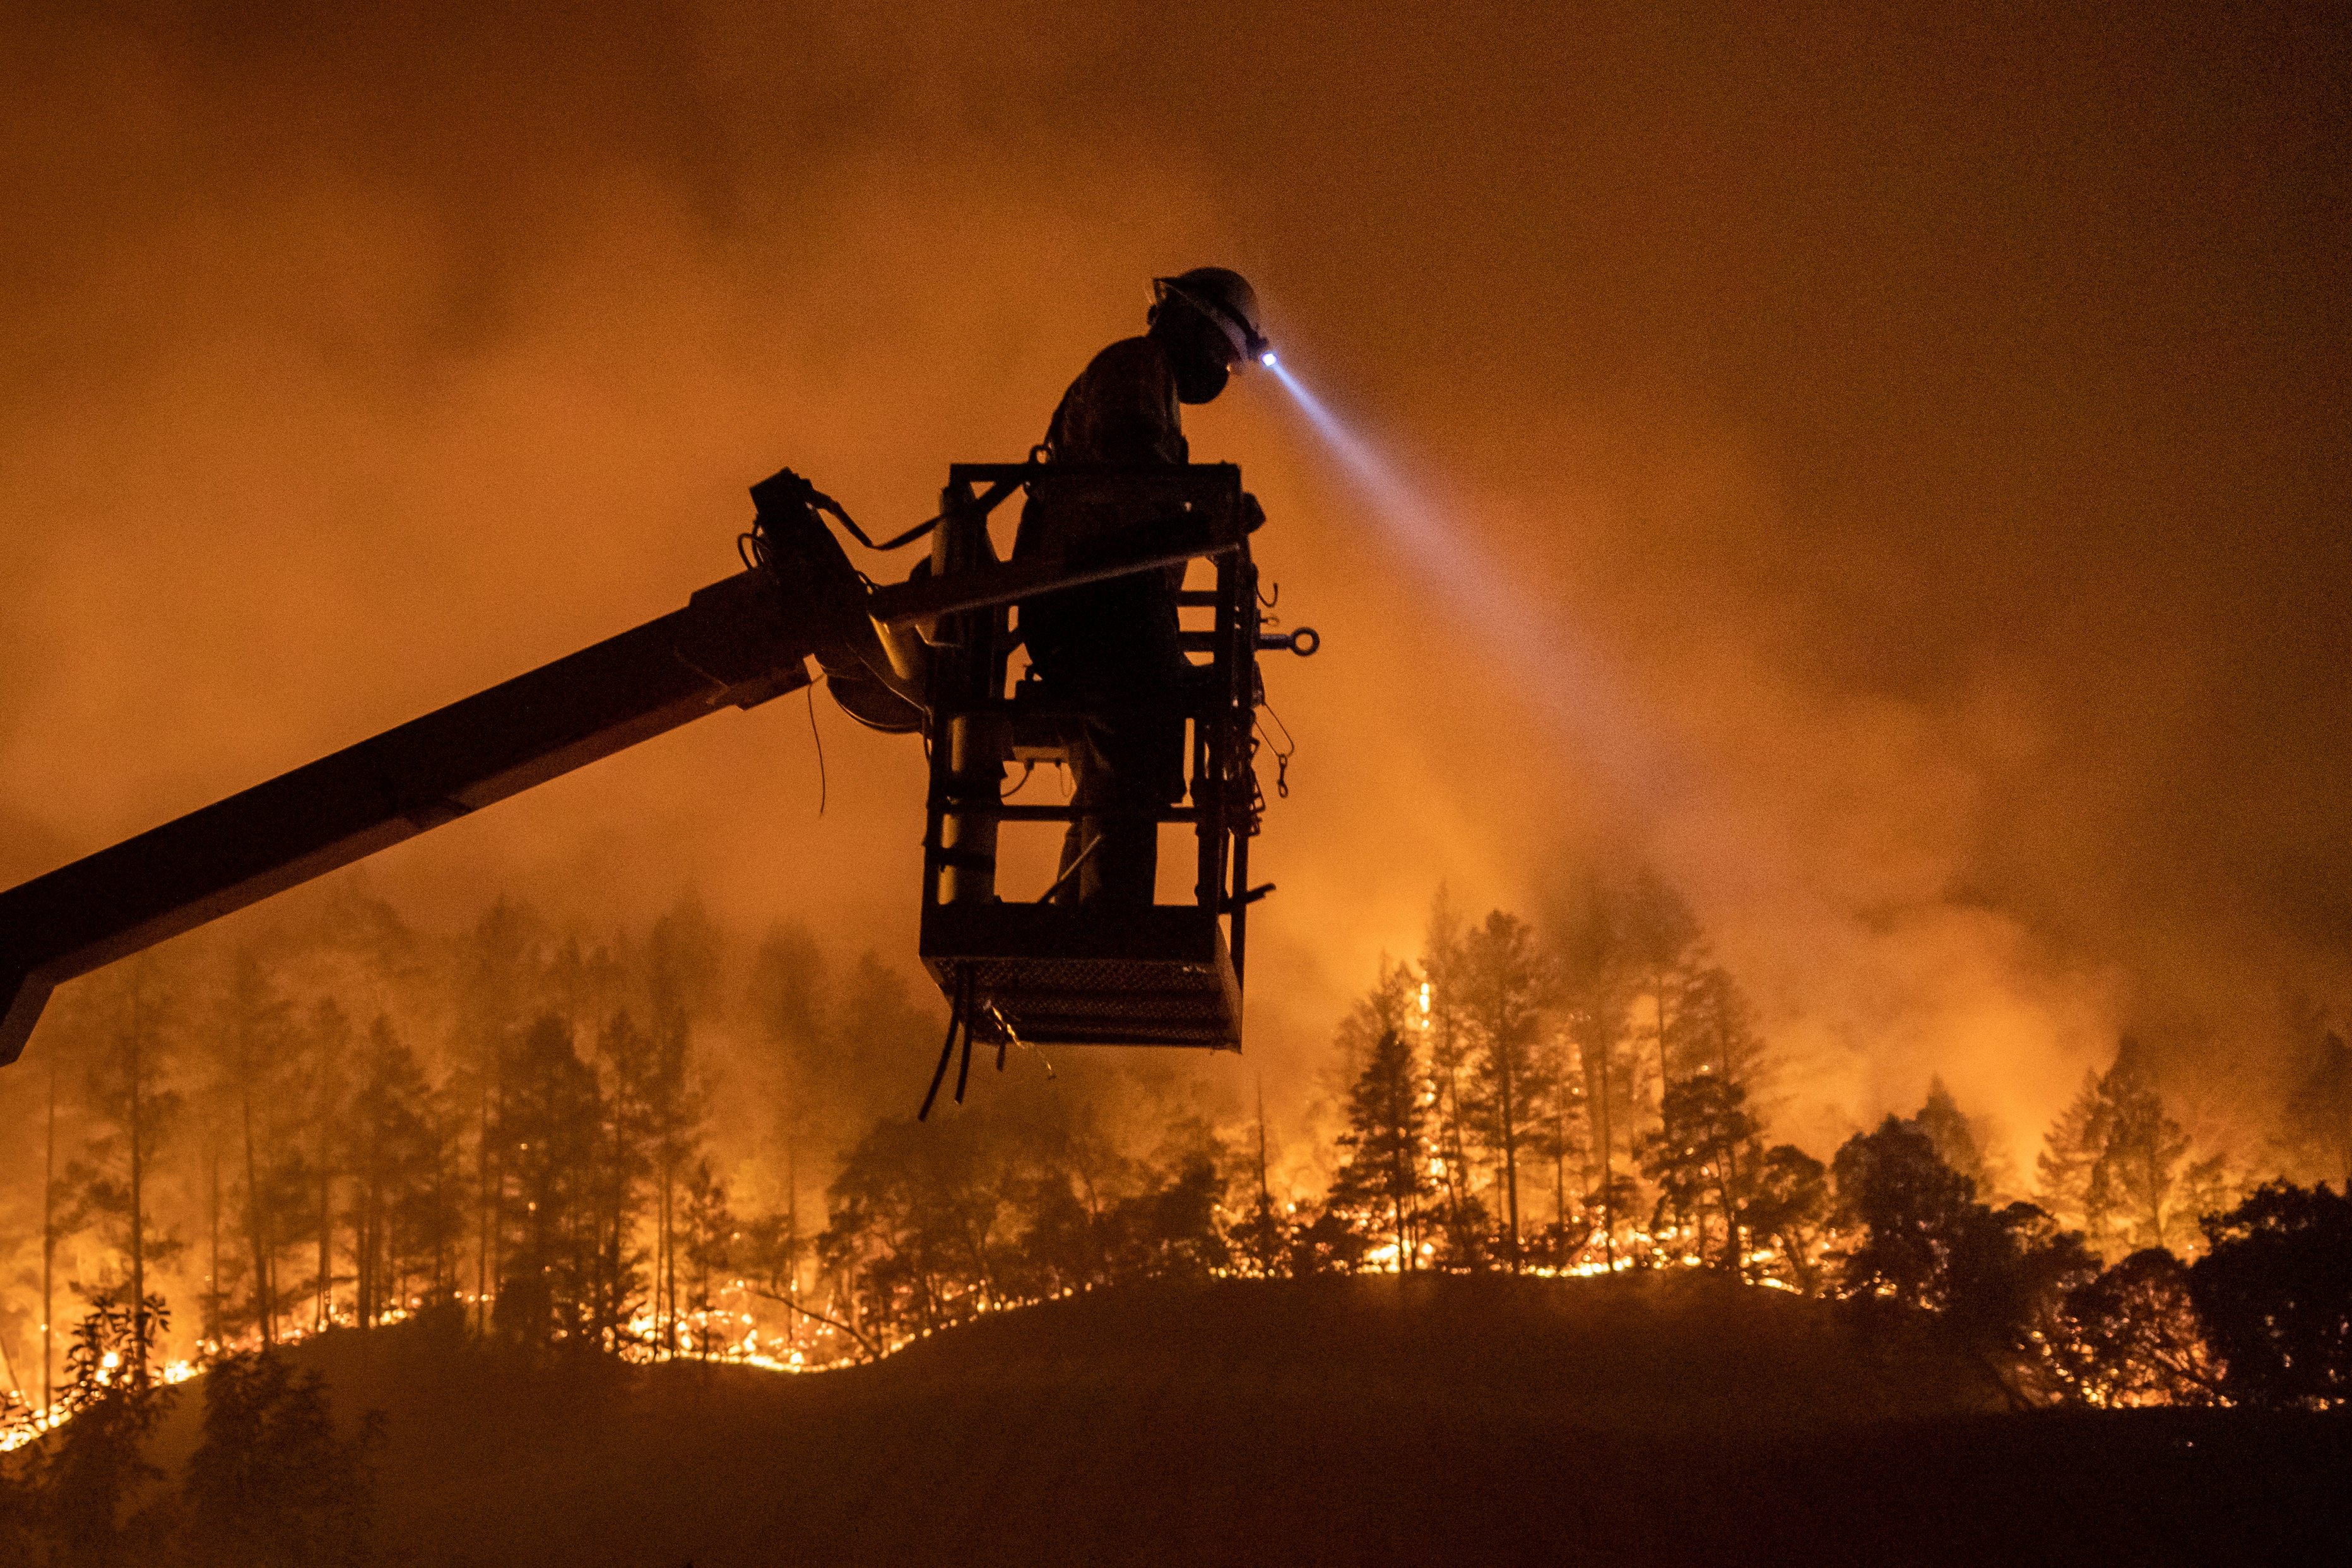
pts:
pixel 1928 427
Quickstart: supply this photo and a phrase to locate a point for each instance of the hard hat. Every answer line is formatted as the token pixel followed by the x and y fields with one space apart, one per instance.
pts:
pixel 1225 298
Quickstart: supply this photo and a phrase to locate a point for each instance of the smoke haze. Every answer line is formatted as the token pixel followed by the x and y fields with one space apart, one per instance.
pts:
pixel 1927 433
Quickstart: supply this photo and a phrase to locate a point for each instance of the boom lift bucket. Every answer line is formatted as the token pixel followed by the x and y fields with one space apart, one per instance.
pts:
pixel 1061 973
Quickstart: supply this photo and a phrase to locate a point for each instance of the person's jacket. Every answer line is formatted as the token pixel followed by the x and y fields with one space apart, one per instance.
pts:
pixel 1122 409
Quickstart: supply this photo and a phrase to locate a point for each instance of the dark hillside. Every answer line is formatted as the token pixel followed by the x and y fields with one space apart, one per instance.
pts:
pixel 1653 1352
pixel 1639 1420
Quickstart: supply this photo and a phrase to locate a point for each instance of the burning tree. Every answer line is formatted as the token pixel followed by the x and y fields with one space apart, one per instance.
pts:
pixel 549 1118
pixel 1787 1203
pixel 406 1220
pixel 134 1114
pixel 1443 1007
pixel 1696 1158
pixel 2133 1336
pixel 1387 1140
pixel 91 1482
pixel 708 1237
pixel 1954 1137
pixel 2318 1133
pixel 1596 999
pixel 1997 1277
pixel 2113 1161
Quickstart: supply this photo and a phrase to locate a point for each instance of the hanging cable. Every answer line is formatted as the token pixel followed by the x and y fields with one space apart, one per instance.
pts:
pixel 947 1049
pixel 818 736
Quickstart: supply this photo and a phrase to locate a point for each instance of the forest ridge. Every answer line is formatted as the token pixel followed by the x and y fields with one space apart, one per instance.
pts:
pixel 639 1146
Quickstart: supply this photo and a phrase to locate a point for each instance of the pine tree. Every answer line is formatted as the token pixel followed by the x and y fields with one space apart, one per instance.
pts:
pixel 249 1040
pixel 1504 988
pixel 133 1114
pixel 2111 1163
pixel 60 1220
pixel 1442 1004
pixel 1560 1136
pixel 1662 947
pixel 1387 1166
pixel 2319 1113
pixel 502 963
pixel 1596 1002
pixel 271 1485
pixel 709 1234
pixel 1706 1136
pixel 2137 1172
pixel 326 1053
pixel 681 969
pixel 633 1071
pixel 400 1212
pixel 548 1144
pixel 2069 1151
pixel 1719 1033
pixel 1955 1139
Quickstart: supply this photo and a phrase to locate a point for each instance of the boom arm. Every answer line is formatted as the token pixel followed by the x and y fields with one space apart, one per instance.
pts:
pixel 736 644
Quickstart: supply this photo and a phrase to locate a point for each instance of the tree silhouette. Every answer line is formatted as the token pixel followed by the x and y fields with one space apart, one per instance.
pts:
pixel 1662 947
pixel 1907 1207
pixel 1442 1009
pixel 1999 1277
pixel 2069 1150
pixel 249 1038
pixel 2112 1161
pixel 271 1485
pixel 133 1116
pixel 2319 1113
pixel 1787 1201
pixel 1696 1155
pixel 2275 1289
pixel 1387 1166
pixel 324 1093
pixel 1503 987
pixel 2133 1336
pixel 1596 990
pixel 2135 1172
pixel 708 1241
pixel 90 1481
pixel 405 1218
pixel 1956 1141
pixel 548 1146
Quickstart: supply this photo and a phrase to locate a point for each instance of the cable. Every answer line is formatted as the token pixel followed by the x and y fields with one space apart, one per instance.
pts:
pixel 819 737
pixel 821 502
pixel 947 1049
pixel 909 537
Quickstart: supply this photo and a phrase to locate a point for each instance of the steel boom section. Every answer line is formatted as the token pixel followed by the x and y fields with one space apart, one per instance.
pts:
pixel 737 642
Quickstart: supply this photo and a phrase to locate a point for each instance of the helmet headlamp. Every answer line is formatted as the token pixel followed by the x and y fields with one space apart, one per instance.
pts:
pixel 1231 316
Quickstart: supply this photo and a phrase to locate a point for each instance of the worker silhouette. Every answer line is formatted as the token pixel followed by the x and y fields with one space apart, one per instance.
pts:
pixel 1109 650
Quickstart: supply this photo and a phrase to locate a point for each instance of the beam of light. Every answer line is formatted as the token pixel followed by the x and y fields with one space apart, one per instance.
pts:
pixel 1537 653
